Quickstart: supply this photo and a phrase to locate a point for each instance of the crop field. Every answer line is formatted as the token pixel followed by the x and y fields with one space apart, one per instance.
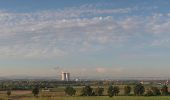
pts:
pixel 58 94
pixel 98 98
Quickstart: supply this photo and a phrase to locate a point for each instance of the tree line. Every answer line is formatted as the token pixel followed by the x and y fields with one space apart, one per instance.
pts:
pixel 138 90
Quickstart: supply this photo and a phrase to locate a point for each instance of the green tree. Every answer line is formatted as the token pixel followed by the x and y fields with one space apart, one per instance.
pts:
pixel 116 90
pixel 155 91
pixel 127 90
pixel 36 91
pixel 70 91
pixel 8 92
pixel 139 89
pixel 99 91
pixel 164 90
pixel 87 91
pixel 110 91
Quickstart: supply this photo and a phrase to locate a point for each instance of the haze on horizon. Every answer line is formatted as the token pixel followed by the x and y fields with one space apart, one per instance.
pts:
pixel 92 38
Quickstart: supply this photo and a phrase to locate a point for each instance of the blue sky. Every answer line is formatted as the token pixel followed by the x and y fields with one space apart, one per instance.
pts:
pixel 92 38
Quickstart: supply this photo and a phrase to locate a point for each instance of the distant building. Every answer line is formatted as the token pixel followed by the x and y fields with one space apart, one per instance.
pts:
pixel 145 82
pixel 77 79
pixel 65 76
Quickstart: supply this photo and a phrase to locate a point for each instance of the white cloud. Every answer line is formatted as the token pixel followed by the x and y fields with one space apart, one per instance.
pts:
pixel 161 42
pixel 64 31
pixel 168 14
pixel 112 70
pixel 101 70
pixel 98 72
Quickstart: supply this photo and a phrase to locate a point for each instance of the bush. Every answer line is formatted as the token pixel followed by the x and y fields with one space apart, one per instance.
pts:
pixel 149 92
pixel 155 91
pixel 70 91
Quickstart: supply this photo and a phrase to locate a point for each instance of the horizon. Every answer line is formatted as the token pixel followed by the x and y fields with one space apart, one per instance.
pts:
pixel 95 39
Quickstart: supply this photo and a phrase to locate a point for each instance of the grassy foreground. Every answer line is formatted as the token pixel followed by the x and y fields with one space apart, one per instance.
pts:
pixel 102 98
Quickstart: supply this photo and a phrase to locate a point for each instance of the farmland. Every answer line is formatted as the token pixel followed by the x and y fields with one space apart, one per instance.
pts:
pixel 54 90
pixel 102 98
pixel 30 97
pixel 94 98
pixel 59 94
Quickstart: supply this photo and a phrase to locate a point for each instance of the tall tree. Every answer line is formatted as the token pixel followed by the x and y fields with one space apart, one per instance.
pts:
pixel 8 92
pixel 87 91
pixel 99 91
pixel 116 90
pixel 110 91
pixel 36 91
pixel 139 89
pixel 164 90
pixel 127 90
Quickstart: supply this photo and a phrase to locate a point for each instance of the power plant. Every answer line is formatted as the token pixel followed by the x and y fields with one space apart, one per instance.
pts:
pixel 65 76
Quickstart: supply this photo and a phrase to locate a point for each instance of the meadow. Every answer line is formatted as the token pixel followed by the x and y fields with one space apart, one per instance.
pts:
pixel 99 98
pixel 58 94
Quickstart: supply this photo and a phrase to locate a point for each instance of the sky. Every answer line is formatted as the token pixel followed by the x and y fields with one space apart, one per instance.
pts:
pixel 88 38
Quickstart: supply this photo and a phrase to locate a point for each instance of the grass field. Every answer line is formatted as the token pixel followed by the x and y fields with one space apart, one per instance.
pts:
pixel 57 97
pixel 102 98
pixel 58 94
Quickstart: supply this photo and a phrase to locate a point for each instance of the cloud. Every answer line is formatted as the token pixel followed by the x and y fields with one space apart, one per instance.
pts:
pixel 160 42
pixel 60 32
pixel 98 72
pixel 106 70
pixel 168 14
pixel 101 70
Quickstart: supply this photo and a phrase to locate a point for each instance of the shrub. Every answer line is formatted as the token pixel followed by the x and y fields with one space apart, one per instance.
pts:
pixel 155 91
pixel 70 91
pixel 149 92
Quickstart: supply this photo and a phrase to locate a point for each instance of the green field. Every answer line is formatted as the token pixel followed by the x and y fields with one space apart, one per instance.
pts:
pixel 59 94
pixel 102 98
